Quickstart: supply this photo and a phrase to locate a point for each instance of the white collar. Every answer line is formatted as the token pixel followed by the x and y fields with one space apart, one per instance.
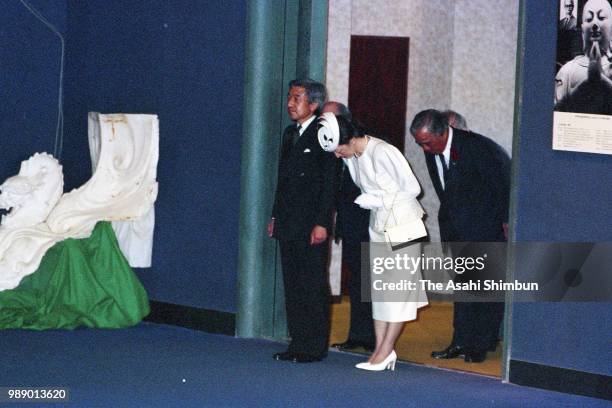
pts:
pixel 306 123
pixel 447 148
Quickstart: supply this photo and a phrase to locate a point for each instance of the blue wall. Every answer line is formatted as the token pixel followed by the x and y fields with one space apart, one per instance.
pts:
pixel 29 80
pixel 183 60
pixel 561 196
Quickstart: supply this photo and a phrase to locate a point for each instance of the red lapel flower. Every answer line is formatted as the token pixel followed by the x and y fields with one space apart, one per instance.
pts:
pixel 454 156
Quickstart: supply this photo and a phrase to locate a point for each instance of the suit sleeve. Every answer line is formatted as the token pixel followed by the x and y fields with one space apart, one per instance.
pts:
pixel 339 196
pixel 278 175
pixel 496 171
pixel 275 205
pixel 328 182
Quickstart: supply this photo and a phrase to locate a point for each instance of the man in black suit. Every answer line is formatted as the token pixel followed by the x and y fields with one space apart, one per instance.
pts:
pixel 568 22
pixel 301 221
pixel 352 224
pixel 471 175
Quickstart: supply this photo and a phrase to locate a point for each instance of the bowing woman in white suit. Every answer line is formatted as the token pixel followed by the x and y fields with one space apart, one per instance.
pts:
pixel 389 189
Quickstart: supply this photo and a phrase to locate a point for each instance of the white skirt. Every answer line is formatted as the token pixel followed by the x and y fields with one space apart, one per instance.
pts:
pixel 405 310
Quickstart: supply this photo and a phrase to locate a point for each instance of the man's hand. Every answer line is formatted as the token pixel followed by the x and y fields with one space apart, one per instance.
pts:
pixel 271 227
pixel 318 235
pixel 505 228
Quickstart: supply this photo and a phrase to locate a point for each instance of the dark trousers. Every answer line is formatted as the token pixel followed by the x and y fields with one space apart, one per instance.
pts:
pixel 476 324
pixel 307 296
pixel 361 325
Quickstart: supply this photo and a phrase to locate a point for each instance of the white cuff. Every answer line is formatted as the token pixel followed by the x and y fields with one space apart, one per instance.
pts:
pixel 369 201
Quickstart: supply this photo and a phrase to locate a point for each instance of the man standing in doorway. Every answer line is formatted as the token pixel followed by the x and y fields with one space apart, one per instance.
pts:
pixel 301 221
pixel 471 175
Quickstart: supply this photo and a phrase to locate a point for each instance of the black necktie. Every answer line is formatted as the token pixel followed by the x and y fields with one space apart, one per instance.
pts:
pixel 567 23
pixel 293 134
pixel 296 134
pixel 444 169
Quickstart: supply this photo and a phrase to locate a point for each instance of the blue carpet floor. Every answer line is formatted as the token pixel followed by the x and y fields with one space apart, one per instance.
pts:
pixel 144 366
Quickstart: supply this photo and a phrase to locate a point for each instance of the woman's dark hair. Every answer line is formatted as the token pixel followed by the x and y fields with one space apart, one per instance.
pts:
pixel 349 129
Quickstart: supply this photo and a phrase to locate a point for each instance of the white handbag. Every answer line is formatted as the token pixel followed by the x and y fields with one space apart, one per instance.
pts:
pixel 400 236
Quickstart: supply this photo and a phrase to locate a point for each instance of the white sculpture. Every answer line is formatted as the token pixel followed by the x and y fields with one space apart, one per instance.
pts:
pixel 32 194
pixel 135 237
pixel 122 187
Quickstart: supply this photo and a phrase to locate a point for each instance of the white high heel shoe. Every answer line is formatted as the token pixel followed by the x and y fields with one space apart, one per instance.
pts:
pixel 387 363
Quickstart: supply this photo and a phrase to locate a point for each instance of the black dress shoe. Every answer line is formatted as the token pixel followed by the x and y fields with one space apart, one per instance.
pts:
pixel 352 345
pixel 285 356
pixel 451 351
pixel 475 356
pixel 305 358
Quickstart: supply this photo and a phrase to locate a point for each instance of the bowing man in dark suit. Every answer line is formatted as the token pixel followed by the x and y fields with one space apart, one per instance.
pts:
pixel 301 222
pixel 471 176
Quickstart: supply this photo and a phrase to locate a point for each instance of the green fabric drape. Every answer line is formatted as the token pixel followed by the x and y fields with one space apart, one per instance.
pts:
pixel 80 282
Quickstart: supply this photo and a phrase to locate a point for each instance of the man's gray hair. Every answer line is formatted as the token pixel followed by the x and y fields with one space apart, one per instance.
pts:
pixel 338 108
pixel 315 91
pixel 430 120
pixel 455 120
